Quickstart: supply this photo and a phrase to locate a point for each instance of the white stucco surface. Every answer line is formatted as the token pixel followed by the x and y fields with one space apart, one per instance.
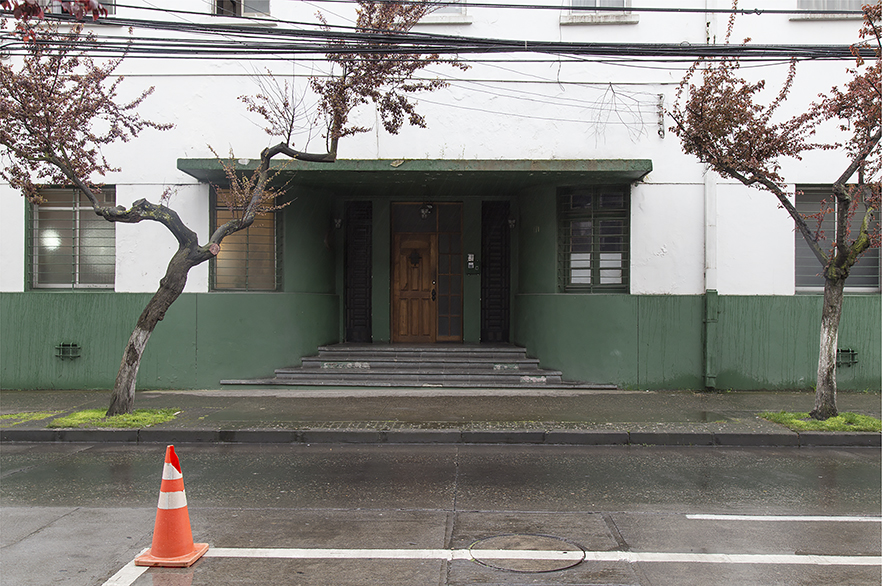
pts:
pixel 12 240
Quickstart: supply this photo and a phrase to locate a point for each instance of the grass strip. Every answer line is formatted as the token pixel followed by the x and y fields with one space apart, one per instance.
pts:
pixel 11 419
pixel 95 418
pixel 843 422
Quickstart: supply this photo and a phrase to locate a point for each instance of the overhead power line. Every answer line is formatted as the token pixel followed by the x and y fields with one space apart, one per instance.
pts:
pixel 262 42
pixel 577 8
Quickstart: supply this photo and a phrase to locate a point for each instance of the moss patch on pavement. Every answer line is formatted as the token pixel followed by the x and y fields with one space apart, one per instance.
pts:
pixel 95 418
pixel 843 422
pixel 11 419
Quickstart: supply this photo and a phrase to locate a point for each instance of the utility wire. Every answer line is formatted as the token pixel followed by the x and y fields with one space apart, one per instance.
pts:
pixel 250 42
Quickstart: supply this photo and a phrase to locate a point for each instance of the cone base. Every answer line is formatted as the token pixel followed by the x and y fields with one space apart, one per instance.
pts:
pixel 183 561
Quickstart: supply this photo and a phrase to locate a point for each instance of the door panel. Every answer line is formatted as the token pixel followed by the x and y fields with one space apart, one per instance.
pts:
pixel 427 280
pixel 414 287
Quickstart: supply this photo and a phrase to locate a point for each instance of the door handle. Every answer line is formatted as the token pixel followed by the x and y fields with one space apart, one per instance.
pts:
pixel 433 294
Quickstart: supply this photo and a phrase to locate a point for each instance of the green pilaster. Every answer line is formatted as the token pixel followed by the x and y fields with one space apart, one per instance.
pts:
pixel 537 242
pixel 471 283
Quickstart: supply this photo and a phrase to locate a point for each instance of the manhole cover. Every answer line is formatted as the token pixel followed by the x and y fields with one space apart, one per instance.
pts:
pixel 527 553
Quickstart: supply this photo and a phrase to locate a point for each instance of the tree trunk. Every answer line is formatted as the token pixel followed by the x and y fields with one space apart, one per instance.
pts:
pixel 826 381
pixel 170 287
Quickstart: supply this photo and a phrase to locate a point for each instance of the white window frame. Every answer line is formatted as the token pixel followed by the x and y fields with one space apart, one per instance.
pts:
pixel 587 16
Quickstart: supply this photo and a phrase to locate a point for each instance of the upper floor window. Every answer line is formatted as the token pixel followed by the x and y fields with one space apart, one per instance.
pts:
pixel 72 246
pixel 242 7
pixel 865 274
pixel 54 6
pixel 247 260
pixel 593 239
pixel 450 12
pixel 854 6
pixel 830 4
pixel 587 12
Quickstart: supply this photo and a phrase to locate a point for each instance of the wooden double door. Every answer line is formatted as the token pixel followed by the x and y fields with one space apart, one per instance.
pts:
pixel 427 272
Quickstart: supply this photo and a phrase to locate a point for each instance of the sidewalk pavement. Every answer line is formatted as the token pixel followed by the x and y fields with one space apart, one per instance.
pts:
pixel 446 416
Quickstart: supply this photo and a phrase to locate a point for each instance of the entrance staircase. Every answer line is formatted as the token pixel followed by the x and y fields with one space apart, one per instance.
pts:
pixel 405 365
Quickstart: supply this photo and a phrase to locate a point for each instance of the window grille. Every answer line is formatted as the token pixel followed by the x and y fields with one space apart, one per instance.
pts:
pixel 831 4
pixel 593 239
pixel 72 246
pixel 598 3
pixel 865 274
pixel 54 6
pixel 242 7
pixel 248 258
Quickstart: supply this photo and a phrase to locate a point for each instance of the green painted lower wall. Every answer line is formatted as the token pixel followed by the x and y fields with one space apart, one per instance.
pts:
pixel 648 342
pixel 203 339
pixel 658 342
pixel 773 342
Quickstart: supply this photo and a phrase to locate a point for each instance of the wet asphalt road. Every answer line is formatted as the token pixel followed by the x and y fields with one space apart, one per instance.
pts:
pixel 74 514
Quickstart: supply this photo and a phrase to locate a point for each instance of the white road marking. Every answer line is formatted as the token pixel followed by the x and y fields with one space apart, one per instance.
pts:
pixel 130 572
pixel 485 554
pixel 786 518
pixel 127 574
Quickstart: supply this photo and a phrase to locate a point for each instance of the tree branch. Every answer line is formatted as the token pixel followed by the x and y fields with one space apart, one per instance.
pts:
pixel 785 201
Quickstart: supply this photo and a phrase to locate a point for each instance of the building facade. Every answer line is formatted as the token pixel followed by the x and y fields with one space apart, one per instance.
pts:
pixel 546 205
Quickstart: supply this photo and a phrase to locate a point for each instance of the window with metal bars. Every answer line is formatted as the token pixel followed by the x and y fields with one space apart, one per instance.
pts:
pixel 55 7
pixel 598 3
pixel 72 246
pixel 831 4
pixel 865 274
pixel 598 12
pixel 593 239
pixel 242 7
pixel 248 258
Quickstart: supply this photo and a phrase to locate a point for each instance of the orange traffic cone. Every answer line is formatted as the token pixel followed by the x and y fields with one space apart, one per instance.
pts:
pixel 173 545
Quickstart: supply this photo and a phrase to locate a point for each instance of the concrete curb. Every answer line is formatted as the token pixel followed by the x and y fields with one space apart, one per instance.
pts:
pixel 833 439
pixel 447 437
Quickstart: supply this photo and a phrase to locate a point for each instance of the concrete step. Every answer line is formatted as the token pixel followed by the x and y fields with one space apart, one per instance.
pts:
pixel 401 365
pixel 421 373
pixel 429 362
pixel 334 382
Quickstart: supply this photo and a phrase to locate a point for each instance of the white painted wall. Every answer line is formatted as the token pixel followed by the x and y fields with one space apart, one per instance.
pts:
pixel 154 241
pixel 547 108
pixel 667 244
pixel 12 240
pixel 755 243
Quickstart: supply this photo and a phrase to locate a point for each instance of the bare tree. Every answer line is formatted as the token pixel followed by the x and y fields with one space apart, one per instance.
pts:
pixel 60 108
pixel 722 123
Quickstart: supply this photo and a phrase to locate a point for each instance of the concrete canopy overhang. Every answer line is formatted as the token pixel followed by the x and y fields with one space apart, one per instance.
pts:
pixel 432 177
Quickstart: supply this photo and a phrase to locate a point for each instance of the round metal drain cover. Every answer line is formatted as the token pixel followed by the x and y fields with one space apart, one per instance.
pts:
pixel 527 553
